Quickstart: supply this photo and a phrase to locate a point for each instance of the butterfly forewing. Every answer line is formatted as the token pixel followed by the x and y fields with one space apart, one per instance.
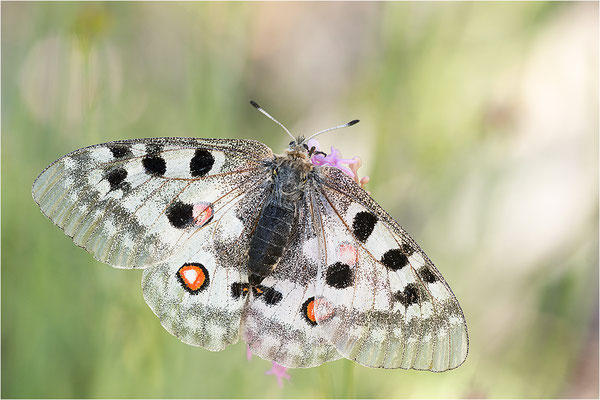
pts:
pixel 135 202
pixel 381 301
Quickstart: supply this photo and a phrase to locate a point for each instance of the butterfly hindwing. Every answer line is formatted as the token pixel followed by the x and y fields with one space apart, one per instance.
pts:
pixel 380 300
pixel 279 322
pixel 199 294
pixel 192 299
pixel 135 202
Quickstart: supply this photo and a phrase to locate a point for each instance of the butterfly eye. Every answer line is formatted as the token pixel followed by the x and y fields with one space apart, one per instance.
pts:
pixel 292 143
pixel 305 146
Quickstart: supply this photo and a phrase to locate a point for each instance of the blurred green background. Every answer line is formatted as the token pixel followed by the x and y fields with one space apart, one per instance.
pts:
pixel 478 129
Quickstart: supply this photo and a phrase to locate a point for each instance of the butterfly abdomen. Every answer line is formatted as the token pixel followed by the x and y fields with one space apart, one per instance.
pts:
pixel 270 238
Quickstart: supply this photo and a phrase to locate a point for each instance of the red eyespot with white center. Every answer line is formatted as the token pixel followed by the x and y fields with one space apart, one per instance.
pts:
pixel 193 277
pixel 347 254
pixel 202 213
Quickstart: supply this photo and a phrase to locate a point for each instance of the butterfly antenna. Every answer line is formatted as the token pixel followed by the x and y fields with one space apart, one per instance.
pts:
pixel 259 108
pixel 353 122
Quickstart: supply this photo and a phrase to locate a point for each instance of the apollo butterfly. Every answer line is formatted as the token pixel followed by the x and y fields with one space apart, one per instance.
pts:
pixel 286 251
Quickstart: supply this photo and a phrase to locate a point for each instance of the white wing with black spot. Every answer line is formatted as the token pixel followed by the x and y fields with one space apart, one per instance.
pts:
pixel 199 293
pixel 133 203
pixel 279 322
pixel 380 300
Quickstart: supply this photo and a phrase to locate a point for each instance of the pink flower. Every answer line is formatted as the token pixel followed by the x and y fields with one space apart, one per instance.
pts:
pixel 354 167
pixel 335 160
pixel 279 371
pixel 248 353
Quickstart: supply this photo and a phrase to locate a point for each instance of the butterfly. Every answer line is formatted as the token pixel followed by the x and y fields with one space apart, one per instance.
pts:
pixel 236 241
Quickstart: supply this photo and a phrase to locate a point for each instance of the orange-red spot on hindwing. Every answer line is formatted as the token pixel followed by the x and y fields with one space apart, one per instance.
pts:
pixel 308 311
pixel 193 277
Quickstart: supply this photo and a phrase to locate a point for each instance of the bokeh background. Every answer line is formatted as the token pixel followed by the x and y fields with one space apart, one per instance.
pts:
pixel 479 130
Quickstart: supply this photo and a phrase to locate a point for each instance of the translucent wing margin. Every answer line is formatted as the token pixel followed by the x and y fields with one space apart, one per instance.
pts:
pixel 381 301
pixel 133 203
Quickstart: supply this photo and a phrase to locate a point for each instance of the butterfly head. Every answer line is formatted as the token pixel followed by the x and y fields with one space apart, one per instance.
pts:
pixel 302 148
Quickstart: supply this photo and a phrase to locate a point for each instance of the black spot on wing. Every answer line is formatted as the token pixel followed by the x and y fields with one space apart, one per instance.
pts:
pixel 154 165
pixel 120 151
pixel 272 296
pixel 339 275
pixel 427 275
pixel 180 214
pixel 201 163
pixel 363 225
pixel 410 295
pixel 269 295
pixel 116 177
pixel 394 259
pixel 239 289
